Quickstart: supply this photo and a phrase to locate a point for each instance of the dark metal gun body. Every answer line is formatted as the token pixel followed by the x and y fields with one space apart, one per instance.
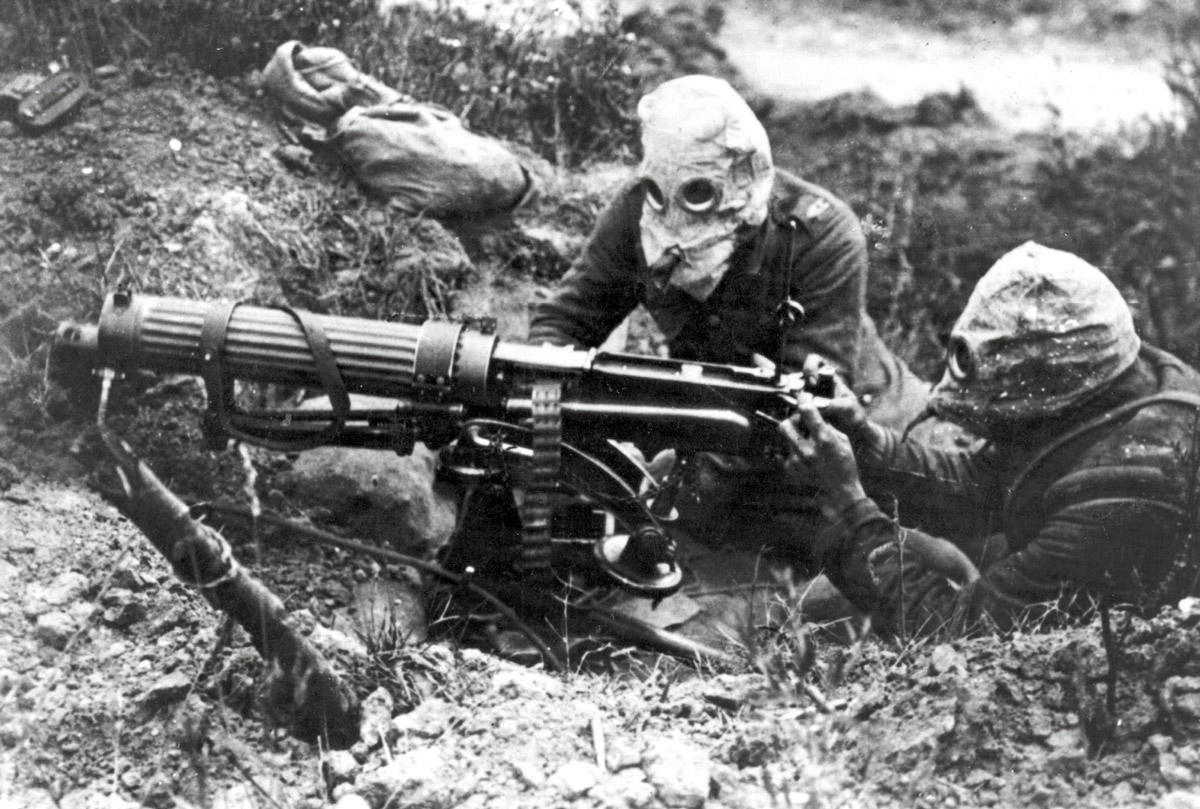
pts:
pixel 445 371
pixel 542 418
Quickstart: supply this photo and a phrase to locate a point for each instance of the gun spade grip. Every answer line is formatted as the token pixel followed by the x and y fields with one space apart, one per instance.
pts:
pixel 269 345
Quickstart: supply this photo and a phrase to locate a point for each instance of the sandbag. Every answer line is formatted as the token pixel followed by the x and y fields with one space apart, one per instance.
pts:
pixel 427 162
pixel 318 85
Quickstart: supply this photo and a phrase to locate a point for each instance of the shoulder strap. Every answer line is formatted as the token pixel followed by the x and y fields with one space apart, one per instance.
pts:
pixel 1182 398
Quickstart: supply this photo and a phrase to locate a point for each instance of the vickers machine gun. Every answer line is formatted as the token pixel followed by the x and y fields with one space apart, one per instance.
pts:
pixel 547 421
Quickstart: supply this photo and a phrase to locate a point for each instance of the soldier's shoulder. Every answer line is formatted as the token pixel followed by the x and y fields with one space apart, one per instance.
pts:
pixel 816 208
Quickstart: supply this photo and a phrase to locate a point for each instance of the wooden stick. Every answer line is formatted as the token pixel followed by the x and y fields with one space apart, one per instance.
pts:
pixel 310 533
pixel 624 626
pixel 313 702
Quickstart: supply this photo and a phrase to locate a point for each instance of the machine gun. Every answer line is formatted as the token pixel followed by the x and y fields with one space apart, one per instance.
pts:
pixel 549 421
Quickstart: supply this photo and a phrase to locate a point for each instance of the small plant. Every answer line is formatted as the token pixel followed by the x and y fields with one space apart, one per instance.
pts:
pixel 786 653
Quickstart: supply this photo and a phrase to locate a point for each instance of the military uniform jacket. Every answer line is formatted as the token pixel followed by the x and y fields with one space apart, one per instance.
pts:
pixel 1098 508
pixel 811 249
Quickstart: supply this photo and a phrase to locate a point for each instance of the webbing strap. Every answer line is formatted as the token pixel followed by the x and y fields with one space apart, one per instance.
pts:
pixel 1189 400
pixel 218 389
pixel 222 419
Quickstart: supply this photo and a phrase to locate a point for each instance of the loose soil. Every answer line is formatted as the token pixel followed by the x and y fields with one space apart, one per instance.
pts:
pixel 120 687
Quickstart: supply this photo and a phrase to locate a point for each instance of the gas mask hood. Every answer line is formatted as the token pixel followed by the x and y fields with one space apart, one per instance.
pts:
pixel 1042 333
pixel 707 176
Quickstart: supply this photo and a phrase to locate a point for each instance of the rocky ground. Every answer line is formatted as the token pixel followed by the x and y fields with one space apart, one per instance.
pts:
pixel 121 687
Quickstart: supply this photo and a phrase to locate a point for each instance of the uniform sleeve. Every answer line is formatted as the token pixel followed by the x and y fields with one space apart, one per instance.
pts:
pixel 600 289
pixel 1120 537
pixel 889 572
pixel 829 280
pixel 907 468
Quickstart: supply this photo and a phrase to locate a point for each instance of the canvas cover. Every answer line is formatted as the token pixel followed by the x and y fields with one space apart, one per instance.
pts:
pixel 318 85
pixel 418 155
pixel 426 161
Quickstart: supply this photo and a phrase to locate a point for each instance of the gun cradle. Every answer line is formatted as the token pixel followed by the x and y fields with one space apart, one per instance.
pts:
pixel 449 382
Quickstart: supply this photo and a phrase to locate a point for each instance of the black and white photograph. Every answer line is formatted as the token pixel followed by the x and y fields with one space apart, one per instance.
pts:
pixel 599 404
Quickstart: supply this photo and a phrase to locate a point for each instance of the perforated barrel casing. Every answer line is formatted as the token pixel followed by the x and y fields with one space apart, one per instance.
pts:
pixel 269 345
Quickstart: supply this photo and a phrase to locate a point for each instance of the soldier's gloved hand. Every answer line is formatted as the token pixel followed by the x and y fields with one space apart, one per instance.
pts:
pixel 820 452
pixel 845 411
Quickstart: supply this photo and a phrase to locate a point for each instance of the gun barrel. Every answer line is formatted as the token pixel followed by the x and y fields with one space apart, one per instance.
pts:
pixel 650 400
pixel 271 345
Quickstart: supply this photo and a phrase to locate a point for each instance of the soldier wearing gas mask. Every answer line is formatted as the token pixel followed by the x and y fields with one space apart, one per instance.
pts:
pixel 1087 464
pixel 738 262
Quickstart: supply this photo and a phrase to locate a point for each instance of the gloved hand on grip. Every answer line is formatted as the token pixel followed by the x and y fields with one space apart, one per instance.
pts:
pixel 841 408
pixel 820 452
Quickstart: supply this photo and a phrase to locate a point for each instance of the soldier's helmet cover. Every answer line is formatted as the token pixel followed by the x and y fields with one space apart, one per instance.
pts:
pixel 707 175
pixel 1042 332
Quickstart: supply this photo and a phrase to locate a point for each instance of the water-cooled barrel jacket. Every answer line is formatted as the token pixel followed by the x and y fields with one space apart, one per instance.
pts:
pixel 828 278
pixel 1093 506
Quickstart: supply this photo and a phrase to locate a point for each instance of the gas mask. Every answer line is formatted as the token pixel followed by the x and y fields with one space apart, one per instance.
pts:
pixel 1042 332
pixel 707 176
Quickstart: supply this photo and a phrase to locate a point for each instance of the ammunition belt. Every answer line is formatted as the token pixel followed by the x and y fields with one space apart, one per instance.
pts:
pixel 537 508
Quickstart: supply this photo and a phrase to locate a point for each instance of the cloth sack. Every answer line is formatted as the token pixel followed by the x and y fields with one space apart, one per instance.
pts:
pixel 419 155
pixel 318 85
pixel 427 162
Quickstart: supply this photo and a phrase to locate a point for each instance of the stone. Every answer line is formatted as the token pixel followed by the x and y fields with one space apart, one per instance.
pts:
pixel 167 689
pixel 376 495
pixel 55 629
pixel 945 659
pixel 91 799
pixel 514 682
pixel 1175 773
pixel 1067 755
pixel 98 801
pixel 352 800
pixel 8 577
pixel 31 799
pixel 122 608
pixel 413 774
pixel 340 766
pixel 126 576
pixel 377 709
pixel 295 157
pixel 1179 800
pixel 621 754
pixel 334 641
pixel 627 789
pixel 575 778
pixel 82 611
pixel 530 773
pixel 1180 696
pixel 428 720
pixel 238 796
pixel 64 588
pixel 1160 743
pixel 679 771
